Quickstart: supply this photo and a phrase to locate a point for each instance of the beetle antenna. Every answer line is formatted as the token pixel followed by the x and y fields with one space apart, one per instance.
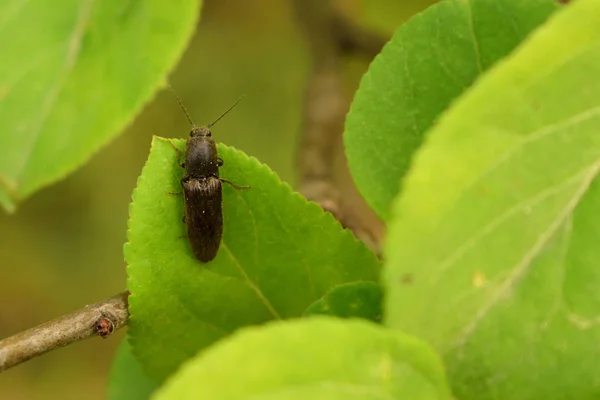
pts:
pixel 229 109
pixel 182 106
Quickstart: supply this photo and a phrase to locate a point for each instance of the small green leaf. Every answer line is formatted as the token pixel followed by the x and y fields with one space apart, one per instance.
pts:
pixel 428 63
pixel 72 76
pixel 498 224
pixel 279 254
pixel 356 299
pixel 317 358
pixel 127 380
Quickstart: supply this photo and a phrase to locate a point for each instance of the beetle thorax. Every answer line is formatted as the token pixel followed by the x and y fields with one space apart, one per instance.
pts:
pixel 201 158
pixel 200 131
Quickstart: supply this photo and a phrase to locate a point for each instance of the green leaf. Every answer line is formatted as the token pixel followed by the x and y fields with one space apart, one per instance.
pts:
pixel 73 76
pixel 356 299
pixel 428 63
pixel 279 254
pixel 317 358
pixel 498 225
pixel 127 380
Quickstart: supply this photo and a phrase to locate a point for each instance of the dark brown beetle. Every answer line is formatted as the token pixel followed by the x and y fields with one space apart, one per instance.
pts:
pixel 202 189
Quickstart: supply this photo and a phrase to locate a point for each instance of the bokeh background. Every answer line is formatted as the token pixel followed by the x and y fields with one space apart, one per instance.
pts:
pixel 63 247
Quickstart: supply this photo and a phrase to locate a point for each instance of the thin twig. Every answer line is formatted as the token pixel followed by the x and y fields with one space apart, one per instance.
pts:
pixel 100 319
pixel 325 106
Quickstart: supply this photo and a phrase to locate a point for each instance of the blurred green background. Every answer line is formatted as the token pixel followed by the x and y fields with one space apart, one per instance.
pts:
pixel 63 247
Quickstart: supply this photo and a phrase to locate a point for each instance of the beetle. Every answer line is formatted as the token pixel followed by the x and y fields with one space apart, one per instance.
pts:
pixel 202 188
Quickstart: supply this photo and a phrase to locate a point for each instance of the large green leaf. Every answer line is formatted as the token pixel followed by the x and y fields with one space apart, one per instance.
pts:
pixel 72 75
pixel 127 380
pixel 498 225
pixel 319 358
pixel 279 254
pixel 428 63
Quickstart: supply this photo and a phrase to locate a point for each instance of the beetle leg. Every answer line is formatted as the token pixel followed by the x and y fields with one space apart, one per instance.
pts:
pixel 233 184
pixel 182 165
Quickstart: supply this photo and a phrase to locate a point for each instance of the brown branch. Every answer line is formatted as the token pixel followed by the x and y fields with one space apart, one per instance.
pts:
pixel 100 319
pixel 354 39
pixel 328 37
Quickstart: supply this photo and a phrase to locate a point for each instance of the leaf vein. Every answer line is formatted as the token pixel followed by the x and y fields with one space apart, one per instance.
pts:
pixel 192 312
pixel 476 46
pixel 410 89
pixel 523 266
pixel 532 137
pixel 252 285
pixel 256 242
pixel 495 223
pixel 296 247
pixel 12 12
pixel 73 47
